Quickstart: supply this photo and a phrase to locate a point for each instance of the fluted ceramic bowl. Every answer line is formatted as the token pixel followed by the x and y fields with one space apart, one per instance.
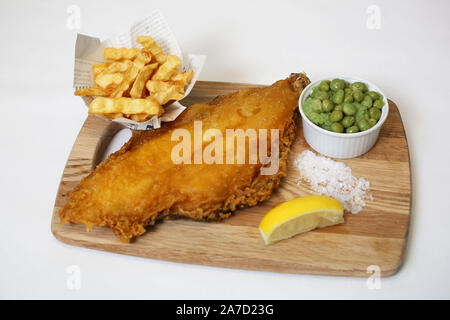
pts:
pixel 341 145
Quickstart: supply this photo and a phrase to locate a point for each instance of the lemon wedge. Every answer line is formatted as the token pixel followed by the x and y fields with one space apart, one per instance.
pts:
pixel 300 215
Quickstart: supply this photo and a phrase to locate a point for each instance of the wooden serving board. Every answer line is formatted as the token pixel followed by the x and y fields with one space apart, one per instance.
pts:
pixel 375 236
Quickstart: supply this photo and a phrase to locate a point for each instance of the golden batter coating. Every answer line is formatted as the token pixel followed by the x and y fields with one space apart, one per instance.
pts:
pixel 140 184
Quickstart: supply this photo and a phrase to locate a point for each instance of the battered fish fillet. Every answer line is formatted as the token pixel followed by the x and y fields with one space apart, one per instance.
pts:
pixel 140 184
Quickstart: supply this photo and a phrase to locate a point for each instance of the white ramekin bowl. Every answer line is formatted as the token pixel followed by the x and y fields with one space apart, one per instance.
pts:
pixel 341 145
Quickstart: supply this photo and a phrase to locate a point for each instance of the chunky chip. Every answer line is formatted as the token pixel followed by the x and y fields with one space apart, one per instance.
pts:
pixel 137 91
pixel 163 91
pixel 111 75
pixel 98 68
pixel 167 69
pixel 113 115
pixel 150 44
pixel 119 66
pixel 106 80
pixel 124 105
pixel 183 77
pixel 181 80
pixel 120 53
pixel 165 96
pixel 92 92
pixel 179 86
pixel 155 86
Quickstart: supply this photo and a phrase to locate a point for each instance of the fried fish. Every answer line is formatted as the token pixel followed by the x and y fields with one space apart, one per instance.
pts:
pixel 141 183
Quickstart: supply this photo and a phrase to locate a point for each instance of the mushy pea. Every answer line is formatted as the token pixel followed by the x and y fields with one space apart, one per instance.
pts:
pixel 342 107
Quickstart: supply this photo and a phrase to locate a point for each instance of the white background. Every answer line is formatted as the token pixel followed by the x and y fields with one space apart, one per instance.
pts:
pixel 246 41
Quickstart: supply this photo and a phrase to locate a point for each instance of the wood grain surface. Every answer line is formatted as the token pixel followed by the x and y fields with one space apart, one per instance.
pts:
pixel 376 236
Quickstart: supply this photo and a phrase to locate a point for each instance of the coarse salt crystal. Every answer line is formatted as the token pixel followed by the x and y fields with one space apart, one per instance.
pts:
pixel 333 179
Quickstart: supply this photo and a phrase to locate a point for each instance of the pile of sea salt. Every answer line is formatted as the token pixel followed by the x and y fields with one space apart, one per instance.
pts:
pixel 333 179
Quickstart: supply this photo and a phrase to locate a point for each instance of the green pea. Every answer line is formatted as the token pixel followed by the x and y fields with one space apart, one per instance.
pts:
pixel 336 84
pixel 349 109
pixel 358 86
pixel 324 85
pixel 367 102
pixel 328 105
pixel 316 105
pixel 314 117
pixel 352 129
pixel 363 125
pixel 348 121
pixel 372 122
pixel 374 95
pixel 337 127
pixel 338 97
pixel 378 103
pixel 336 115
pixel 314 91
pixel 358 95
pixel 348 91
pixel 360 106
pixel 339 107
pixel 322 95
pixel 374 113
pixel 362 114
pixel 348 98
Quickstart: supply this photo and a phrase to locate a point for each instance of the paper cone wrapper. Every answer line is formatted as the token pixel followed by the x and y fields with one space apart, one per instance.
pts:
pixel 89 51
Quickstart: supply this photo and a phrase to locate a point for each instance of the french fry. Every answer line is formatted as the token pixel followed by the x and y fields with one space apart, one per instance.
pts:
pixel 167 69
pixel 155 86
pixel 120 53
pixel 94 92
pixel 103 105
pixel 163 91
pixel 181 80
pixel 165 96
pixel 113 115
pixel 183 77
pixel 107 80
pixel 119 66
pixel 179 86
pixel 98 68
pixel 111 75
pixel 137 91
pixel 150 44
pixel 143 58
